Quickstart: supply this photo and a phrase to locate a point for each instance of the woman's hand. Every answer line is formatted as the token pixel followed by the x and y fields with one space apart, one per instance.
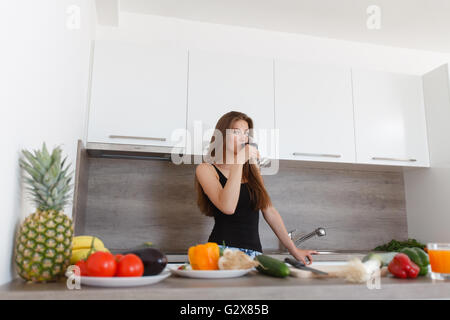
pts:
pixel 300 255
pixel 246 153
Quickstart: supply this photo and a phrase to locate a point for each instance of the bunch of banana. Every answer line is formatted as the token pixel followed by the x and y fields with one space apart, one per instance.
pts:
pixel 83 246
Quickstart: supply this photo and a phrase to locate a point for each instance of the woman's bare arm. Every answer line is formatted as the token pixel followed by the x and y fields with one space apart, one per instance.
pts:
pixel 273 218
pixel 224 198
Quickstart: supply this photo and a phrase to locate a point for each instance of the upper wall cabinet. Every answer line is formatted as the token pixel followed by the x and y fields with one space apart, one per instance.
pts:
pixel 390 126
pixel 141 95
pixel 138 94
pixel 314 112
pixel 219 83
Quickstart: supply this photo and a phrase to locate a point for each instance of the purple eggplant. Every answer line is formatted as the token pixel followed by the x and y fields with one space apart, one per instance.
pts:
pixel 154 260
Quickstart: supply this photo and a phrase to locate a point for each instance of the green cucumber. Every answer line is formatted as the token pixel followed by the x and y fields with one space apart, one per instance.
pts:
pixel 272 267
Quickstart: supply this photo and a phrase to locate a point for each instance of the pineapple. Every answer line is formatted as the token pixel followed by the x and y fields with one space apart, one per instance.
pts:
pixel 44 240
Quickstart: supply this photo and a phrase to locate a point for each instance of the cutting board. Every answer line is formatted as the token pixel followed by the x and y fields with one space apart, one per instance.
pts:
pixel 333 272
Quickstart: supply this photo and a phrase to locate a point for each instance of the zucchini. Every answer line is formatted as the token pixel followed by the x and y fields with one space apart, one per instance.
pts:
pixel 272 267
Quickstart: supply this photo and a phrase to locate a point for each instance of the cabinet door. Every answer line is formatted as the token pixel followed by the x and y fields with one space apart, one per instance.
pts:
pixel 138 94
pixel 219 83
pixel 390 125
pixel 314 112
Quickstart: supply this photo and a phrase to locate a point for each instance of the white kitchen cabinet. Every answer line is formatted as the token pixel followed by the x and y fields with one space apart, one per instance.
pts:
pixel 138 95
pixel 222 82
pixel 314 112
pixel 390 125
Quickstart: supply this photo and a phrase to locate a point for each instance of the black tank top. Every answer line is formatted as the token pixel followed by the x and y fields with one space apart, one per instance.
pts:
pixel 239 229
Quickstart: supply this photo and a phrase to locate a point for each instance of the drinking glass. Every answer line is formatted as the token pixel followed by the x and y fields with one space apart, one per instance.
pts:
pixel 261 162
pixel 439 255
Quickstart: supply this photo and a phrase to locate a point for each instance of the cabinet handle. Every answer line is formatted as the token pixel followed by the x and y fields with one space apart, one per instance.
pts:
pixel 393 159
pixel 316 154
pixel 141 138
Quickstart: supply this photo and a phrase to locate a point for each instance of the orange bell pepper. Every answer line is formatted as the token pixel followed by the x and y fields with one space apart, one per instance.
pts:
pixel 204 256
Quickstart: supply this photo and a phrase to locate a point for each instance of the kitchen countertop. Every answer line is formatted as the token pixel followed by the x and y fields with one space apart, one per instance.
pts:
pixel 252 286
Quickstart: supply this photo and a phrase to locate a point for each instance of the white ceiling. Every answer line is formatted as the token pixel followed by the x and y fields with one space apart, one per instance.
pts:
pixel 415 24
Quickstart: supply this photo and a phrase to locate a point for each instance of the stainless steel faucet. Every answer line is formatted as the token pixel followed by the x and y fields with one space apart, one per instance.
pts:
pixel 320 232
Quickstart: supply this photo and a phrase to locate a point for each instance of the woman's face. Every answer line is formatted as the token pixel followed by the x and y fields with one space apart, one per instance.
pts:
pixel 237 135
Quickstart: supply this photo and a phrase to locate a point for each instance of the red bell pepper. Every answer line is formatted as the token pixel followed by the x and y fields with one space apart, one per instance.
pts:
pixel 401 266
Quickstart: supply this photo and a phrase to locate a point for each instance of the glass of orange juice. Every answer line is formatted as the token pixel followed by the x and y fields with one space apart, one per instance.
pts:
pixel 439 254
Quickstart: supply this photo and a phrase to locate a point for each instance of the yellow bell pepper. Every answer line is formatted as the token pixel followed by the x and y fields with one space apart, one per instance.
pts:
pixel 204 256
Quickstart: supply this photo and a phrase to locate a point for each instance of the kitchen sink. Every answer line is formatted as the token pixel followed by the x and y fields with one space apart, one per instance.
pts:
pixel 324 255
pixel 328 263
pixel 277 252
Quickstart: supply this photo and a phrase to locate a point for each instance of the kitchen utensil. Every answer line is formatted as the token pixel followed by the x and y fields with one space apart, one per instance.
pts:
pixel 301 266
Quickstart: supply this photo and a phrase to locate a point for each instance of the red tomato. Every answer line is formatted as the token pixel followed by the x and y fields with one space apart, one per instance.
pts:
pixel 130 265
pixel 83 268
pixel 101 264
pixel 118 257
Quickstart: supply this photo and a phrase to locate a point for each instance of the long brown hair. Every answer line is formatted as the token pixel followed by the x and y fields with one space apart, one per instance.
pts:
pixel 258 194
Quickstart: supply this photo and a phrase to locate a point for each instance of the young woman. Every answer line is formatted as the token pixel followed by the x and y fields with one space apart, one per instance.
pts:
pixel 230 188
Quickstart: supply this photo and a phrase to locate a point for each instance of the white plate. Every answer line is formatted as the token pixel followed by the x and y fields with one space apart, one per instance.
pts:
pixel 124 281
pixel 207 274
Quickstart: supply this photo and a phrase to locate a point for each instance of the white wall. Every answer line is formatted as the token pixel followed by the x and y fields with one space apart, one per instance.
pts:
pixel 43 78
pixel 427 191
pixel 167 31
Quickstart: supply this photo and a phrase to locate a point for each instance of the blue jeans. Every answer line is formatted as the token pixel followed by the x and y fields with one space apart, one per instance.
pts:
pixel 249 252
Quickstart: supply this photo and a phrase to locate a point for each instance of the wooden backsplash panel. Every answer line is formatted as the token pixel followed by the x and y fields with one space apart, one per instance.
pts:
pixel 132 201
pixel 358 209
